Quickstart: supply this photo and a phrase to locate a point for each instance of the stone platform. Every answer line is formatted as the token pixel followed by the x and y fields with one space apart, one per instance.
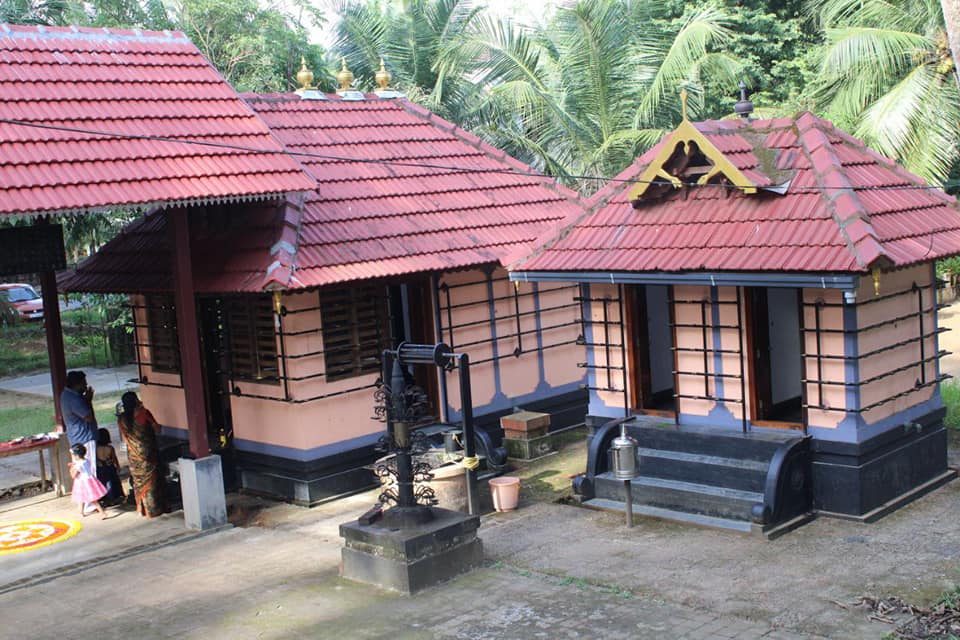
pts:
pixel 410 559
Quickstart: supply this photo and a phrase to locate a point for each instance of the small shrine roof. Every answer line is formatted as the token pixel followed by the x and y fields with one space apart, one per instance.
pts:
pixel 94 118
pixel 798 195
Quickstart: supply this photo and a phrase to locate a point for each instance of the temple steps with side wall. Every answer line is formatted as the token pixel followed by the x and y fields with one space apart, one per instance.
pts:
pixel 719 477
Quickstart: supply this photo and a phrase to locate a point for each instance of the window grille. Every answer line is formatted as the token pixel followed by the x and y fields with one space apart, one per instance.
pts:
pixel 252 339
pixel 353 323
pixel 162 331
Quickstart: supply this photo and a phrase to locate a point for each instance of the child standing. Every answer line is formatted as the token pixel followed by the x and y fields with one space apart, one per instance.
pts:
pixel 86 488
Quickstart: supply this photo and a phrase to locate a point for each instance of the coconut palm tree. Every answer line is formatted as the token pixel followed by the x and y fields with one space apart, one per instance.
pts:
pixel 411 36
pixel 583 97
pixel 888 75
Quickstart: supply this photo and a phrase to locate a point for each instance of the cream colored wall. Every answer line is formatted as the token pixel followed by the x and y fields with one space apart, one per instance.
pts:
pixel 166 403
pixel 617 356
pixel 691 382
pixel 870 340
pixel 301 426
pixel 316 423
pixel 519 376
pixel 326 421
pixel 687 311
pixel 833 397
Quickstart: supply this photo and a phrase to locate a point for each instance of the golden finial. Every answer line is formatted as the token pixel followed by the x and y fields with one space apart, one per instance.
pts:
pixel 876 281
pixel 383 77
pixel 304 76
pixel 683 103
pixel 344 77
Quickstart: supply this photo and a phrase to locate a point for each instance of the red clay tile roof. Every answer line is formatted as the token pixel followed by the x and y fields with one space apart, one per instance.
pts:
pixel 128 83
pixel 377 211
pixel 846 209
pixel 239 247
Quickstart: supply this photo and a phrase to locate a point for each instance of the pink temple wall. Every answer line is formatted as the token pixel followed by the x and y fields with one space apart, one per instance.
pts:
pixel 519 376
pixel 343 417
pixel 833 397
pixel 900 331
pixel 599 376
pixel 691 382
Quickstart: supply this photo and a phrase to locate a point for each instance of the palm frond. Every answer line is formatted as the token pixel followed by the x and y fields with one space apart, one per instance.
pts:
pixel 915 123
pixel 702 31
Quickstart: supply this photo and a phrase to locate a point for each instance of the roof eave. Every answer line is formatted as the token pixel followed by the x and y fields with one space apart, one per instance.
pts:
pixel 813 280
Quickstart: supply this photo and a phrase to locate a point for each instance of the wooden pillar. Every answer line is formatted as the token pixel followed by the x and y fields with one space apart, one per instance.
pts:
pixel 54 330
pixel 188 334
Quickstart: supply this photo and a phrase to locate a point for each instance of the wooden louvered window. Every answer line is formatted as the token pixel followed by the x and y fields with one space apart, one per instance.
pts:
pixel 354 325
pixel 162 333
pixel 253 340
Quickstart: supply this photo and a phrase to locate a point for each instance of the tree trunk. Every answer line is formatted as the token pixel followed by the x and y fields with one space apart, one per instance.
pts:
pixel 951 19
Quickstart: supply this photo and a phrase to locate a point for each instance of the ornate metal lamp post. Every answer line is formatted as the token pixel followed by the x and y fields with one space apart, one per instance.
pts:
pixel 402 404
pixel 413 544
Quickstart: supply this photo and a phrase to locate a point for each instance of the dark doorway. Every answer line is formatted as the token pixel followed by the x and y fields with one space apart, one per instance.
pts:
pixel 411 320
pixel 215 357
pixel 773 337
pixel 651 356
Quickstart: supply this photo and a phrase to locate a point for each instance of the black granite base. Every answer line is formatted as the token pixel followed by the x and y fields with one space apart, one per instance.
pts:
pixel 311 482
pixel 316 481
pixel 412 559
pixel 868 479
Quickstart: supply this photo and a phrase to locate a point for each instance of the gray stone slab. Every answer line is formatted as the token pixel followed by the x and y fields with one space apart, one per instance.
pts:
pixel 201 484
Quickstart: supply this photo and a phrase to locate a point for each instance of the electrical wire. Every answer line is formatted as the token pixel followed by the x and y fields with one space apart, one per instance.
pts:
pixel 450 168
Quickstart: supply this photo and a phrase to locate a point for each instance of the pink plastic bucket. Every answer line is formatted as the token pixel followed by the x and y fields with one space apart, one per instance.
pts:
pixel 506 492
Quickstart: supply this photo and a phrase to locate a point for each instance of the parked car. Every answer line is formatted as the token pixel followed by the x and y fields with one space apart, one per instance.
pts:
pixel 24 299
pixel 8 313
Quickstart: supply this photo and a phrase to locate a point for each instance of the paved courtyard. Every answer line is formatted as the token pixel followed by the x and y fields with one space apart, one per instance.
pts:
pixel 553 571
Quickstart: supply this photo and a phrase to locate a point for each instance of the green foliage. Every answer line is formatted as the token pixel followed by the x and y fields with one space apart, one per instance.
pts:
pixel 256 48
pixel 31 416
pixel 950 598
pixel 950 392
pixel 888 76
pixel 597 86
pixel 951 265
pixel 94 336
pixel 25 421
pixel 418 41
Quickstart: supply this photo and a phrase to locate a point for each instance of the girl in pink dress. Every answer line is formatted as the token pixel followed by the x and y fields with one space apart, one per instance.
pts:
pixel 86 488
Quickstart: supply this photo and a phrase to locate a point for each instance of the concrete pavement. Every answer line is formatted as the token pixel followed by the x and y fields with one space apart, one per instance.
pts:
pixel 109 380
pixel 277 578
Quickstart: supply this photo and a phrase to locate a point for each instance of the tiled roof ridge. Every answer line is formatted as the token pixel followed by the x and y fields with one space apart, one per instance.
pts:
pixel 466 227
pixel 849 212
pixel 376 196
pixel 90 33
pixel 448 209
pixel 439 251
pixel 489 150
pixel 280 273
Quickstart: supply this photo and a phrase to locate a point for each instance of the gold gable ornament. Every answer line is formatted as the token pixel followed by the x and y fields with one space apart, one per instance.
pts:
pixel 687 134
pixel 344 76
pixel 307 90
pixel 304 77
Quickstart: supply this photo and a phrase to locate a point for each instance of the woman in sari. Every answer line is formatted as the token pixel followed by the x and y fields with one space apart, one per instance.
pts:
pixel 139 430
